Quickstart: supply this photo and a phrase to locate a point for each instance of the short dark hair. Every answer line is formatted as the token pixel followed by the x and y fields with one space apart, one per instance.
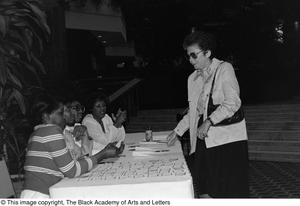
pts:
pixel 69 100
pixel 97 97
pixel 206 41
pixel 43 104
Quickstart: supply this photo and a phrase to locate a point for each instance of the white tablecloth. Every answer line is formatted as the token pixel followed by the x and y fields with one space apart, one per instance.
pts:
pixel 145 170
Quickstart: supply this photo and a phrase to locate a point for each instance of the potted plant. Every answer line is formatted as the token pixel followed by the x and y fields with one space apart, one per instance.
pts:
pixel 23 31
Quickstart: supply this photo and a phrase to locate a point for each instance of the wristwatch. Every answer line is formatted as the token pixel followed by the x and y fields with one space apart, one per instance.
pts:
pixel 211 122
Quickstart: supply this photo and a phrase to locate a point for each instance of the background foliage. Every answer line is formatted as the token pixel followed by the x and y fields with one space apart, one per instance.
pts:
pixel 23 32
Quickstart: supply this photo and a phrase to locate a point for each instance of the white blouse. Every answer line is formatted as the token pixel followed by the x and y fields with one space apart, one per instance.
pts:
pixel 102 138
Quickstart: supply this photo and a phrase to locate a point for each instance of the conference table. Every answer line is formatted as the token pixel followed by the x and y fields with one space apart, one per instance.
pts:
pixel 149 170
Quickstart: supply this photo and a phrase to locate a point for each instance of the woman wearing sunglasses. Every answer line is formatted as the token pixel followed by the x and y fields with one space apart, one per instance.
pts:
pixel 215 120
pixel 76 135
pixel 78 110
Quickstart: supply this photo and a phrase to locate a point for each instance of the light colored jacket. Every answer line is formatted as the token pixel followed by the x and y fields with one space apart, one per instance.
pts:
pixel 226 93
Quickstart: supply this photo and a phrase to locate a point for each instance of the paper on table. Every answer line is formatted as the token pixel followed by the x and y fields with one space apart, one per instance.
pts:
pixel 141 154
pixel 160 137
pixel 148 149
pixel 151 145
pixel 143 149
pixel 148 153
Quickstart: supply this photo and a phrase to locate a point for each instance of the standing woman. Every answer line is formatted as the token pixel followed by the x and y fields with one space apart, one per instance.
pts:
pixel 217 127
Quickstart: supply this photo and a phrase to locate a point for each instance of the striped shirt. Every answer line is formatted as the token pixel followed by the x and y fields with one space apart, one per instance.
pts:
pixel 48 160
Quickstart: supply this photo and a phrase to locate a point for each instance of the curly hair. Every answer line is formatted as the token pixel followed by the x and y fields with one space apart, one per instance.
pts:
pixel 97 97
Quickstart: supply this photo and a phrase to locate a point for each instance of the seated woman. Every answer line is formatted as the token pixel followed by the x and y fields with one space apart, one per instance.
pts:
pixel 48 160
pixel 101 127
pixel 80 131
pixel 76 135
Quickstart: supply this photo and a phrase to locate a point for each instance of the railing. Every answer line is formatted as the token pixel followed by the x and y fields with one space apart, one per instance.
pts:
pixel 126 97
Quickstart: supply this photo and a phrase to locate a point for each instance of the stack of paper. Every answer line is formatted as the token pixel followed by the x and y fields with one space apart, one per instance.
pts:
pixel 149 148
pixel 160 138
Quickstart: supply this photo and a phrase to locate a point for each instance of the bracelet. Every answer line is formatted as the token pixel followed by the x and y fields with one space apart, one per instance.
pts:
pixel 209 119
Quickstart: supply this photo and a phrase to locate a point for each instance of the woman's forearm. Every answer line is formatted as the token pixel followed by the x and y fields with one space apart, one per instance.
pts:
pixel 96 158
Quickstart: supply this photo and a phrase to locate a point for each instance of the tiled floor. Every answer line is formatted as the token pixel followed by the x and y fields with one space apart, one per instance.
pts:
pixel 274 179
pixel 267 180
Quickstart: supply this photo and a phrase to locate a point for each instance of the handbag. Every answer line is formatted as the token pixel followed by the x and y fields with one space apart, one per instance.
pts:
pixel 238 116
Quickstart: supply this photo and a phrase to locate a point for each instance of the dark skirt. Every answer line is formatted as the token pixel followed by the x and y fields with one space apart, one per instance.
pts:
pixel 221 171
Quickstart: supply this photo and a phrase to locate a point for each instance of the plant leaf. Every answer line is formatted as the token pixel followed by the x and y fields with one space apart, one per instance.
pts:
pixel 17 49
pixel 18 71
pixel 16 36
pixel 15 11
pixel 36 34
pixel 16 64
pixel 16 95
pixel 37 24
pixel 40 14
pixel 6 3
pixel 3 70
pixel 2 25
pixel 14 80
pixel 1 92
pixel 38 63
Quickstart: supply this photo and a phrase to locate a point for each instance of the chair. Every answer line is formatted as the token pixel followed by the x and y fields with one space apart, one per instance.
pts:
pixel 6 189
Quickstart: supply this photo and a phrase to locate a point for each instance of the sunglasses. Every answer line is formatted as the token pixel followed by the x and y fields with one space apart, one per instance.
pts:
pixel 78 108
pixel 193 55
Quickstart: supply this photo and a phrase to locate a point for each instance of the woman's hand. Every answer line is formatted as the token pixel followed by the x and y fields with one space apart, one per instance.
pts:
pixel 203 129
pixel 121 148
pixel 114 117
pixel 171 138
pixel 120 118
pixel 79 132
pixel 111 150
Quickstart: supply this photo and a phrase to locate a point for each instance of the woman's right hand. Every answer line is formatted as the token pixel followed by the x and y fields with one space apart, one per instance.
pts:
pixel 111 150
pixel 120 118
pixel 172 137
pixel 121 148
pixel 79 130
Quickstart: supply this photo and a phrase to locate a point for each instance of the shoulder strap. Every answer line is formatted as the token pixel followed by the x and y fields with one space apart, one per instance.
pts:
pixel 213 82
